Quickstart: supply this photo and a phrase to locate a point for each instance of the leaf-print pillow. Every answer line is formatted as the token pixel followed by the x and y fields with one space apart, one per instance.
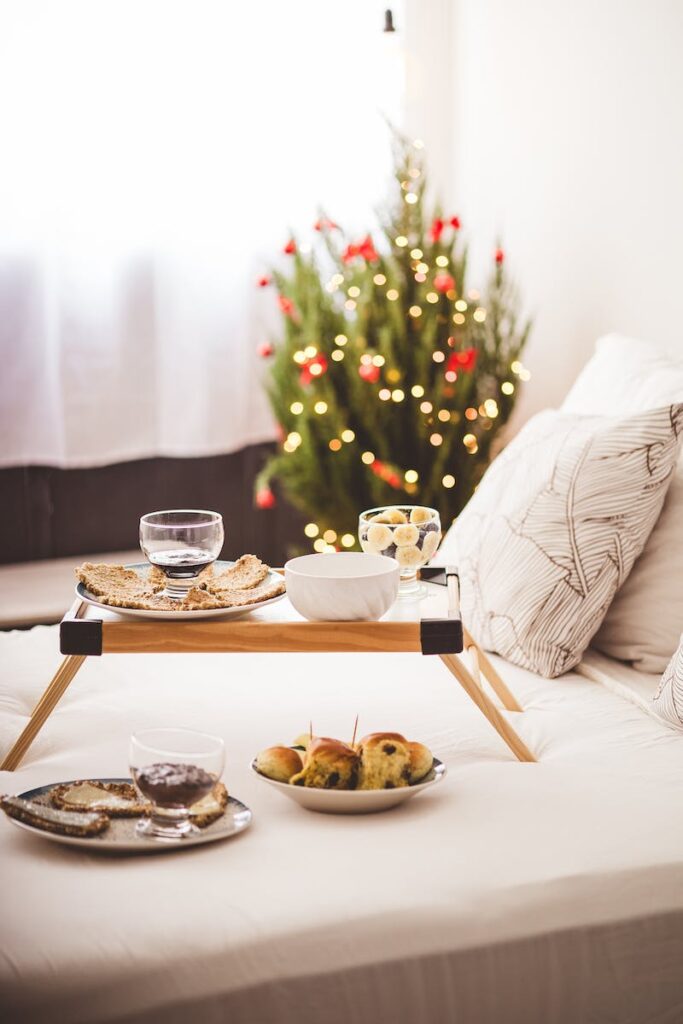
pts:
pixel 668 700
pixel 554 528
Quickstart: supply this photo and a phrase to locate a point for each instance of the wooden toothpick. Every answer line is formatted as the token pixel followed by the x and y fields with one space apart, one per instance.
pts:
pixel 355 726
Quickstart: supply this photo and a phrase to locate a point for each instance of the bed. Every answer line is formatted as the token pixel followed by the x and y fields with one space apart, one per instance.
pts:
pixel 549 892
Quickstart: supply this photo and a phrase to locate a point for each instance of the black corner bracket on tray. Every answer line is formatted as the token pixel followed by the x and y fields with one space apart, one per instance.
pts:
pixel 80 636
pixel 441 636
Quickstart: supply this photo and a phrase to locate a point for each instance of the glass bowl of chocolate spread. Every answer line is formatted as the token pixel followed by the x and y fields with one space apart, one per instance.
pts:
pixel 174 769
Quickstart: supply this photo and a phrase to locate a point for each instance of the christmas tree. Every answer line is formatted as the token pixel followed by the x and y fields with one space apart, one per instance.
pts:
pixel 393 378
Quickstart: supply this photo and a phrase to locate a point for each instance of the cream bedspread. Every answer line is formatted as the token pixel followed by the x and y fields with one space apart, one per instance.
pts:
pixel 549 892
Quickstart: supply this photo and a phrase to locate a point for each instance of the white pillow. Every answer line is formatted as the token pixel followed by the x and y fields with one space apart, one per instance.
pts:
pixel 554 528
pixel 625 375
pixel 668 700
pixel 644 621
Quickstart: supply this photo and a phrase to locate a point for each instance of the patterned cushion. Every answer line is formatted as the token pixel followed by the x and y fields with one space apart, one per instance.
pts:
pixel 668 700
pixel 554 528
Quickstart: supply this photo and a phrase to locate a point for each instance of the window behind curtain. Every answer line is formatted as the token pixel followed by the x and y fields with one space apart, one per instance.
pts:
pixel 156 156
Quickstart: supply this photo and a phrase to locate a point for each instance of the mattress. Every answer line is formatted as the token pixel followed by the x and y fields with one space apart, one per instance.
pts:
pixel 549 892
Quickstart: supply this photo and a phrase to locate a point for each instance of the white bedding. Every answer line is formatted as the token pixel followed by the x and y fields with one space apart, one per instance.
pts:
pixel 525 893
pixel 621 678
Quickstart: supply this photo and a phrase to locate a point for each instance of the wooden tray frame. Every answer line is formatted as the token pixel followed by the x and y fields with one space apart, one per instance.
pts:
pixel 444 637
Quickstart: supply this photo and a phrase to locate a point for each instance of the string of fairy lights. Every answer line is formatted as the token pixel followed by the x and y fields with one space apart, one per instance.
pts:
pixel 328 541
pixel 372 366
pixel 488 409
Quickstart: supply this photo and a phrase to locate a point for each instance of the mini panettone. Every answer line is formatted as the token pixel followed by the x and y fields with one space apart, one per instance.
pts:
pixel 384 761
pixel 328 764
pixel 278 763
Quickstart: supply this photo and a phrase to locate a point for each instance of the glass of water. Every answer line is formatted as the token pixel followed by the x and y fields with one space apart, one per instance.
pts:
pixel 181 542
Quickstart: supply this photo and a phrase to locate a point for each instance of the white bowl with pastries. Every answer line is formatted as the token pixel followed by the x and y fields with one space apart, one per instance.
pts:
pixel 344 586
pixel 327 775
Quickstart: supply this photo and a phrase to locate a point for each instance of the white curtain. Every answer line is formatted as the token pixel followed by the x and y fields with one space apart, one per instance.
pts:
pixel 155 156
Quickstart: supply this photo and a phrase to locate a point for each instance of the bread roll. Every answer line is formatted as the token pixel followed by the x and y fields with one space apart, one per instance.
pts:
pixel 278 763
pixel 421 761
pixel 328 764
pixel 384 761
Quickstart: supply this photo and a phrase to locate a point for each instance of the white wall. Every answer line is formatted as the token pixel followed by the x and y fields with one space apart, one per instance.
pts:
pixel 569 142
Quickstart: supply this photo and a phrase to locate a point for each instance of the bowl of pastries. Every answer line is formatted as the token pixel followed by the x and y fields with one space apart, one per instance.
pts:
pixel 323 774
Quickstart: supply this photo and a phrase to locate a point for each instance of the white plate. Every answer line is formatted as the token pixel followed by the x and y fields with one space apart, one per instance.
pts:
pixel 121 836
pixel 353 801
pixel 200 613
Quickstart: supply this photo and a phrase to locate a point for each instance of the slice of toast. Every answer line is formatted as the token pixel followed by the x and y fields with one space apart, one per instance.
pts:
pixel 116 799
pixel 52 819
pixel 247 572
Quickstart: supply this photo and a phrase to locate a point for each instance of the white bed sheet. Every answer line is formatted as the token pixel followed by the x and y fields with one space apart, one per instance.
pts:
pixel 621 678
pixel 549 892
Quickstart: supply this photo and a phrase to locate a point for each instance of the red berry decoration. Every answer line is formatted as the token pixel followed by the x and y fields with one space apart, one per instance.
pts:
pixel 455 223
pixel 312 368
pixel 368 251
pixel 465 360
pixel 436 230
pixel 325 225
pixel 499 256
pixel 265 350
pixel 369 372
pixel 290 248
pixel 444 282
pixel 264 281
pixel 286 305
pixel 365 250
pixel 265 498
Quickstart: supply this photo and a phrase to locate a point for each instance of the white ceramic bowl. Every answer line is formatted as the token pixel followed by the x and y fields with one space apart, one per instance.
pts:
pixel 345 586
pixel 353 801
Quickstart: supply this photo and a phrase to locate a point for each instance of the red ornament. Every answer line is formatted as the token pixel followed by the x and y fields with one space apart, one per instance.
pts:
pixel 286 306
pixel 369 372
pixel 444 282
pixel 265 498
pixel 264 281
pixel 365 249
pixel 377 467
pixel 465 360
pixel 313 368
pixel 455 223
pixel 265 350
pixel 290 247
pixel 393 480
pixel 499 256
pixel 436 230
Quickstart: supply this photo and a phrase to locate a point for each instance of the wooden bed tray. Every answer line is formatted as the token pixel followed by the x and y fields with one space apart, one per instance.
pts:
pixel 430 625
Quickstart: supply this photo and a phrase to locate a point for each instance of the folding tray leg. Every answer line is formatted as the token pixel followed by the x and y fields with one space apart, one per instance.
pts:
pixel 42 711
pixel 487 707
pixel 496 683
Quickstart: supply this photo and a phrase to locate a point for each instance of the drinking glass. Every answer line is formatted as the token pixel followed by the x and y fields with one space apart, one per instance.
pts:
pixel 412 539
pixel 181 542
pixel 173 769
